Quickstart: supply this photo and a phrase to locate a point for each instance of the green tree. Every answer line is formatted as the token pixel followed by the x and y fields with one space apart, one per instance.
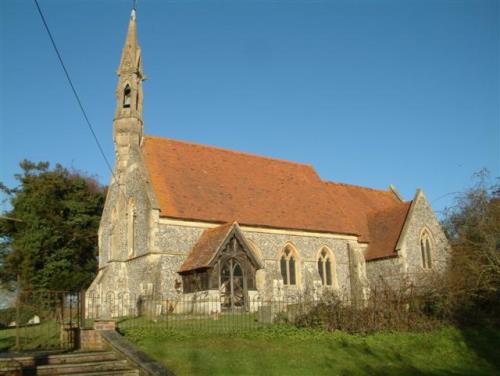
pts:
pixel 49 237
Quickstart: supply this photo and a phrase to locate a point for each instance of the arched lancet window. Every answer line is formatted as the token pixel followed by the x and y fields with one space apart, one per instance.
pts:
pixel 126 96
pixel 326 267
pixel 288 263
pixel 426 250
pixel 130 226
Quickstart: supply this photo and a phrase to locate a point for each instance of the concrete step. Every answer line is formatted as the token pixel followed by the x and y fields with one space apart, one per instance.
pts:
pixel 33 361
pixel 63 369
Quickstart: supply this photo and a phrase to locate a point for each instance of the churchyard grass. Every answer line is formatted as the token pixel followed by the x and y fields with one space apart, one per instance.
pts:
pixel 43 336
pixel 286 350
pixel 220 323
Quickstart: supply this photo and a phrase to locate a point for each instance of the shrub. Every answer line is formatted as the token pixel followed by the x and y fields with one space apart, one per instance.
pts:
pixel 385 309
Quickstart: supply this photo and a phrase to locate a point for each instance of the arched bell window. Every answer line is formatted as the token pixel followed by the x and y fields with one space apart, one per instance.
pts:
pixel 126 96
pixel 426 249
pixel 288 267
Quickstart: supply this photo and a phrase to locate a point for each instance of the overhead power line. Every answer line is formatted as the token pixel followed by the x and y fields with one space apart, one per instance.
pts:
pixel 75 93
pixel 443 196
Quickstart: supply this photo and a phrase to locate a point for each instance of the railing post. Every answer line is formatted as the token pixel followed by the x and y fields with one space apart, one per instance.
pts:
pixel 82 308
pixel 18 315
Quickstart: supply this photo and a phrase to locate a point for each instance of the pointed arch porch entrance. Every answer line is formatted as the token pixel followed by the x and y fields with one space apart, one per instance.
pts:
pixel 233 290
pixel 222 260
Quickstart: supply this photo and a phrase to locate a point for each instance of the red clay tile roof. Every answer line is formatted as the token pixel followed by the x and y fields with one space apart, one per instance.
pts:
pixel 204 183
pixel 206 248
pixel 385 228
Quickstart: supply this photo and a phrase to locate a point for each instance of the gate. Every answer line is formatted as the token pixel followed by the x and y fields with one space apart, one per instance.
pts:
pixel 42 320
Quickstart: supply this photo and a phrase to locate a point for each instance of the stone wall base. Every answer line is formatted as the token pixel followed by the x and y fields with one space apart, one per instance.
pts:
pixel 90 340
pixel 105 325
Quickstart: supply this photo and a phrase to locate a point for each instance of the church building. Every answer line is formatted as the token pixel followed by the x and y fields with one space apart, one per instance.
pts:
pixel 191 222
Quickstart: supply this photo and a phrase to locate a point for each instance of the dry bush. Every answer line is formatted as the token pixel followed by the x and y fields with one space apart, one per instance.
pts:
pixel 473 279
pixel 400 308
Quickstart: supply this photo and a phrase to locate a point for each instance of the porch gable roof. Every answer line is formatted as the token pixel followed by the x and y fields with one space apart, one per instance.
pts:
pixel 210 243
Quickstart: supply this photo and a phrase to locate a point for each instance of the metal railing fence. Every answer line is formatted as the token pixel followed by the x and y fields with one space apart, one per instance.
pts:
pixel 41 320
pixel 211 312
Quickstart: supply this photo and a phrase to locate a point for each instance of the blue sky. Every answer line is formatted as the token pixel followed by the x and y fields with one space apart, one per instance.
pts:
pixel 369 92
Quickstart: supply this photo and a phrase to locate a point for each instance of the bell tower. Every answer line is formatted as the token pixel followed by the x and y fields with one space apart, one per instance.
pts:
pixel 128 124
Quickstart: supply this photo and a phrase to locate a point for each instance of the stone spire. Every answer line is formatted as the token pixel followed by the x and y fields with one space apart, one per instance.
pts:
pixel 128 128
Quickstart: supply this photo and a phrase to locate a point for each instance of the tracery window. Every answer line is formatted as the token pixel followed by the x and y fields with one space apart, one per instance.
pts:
pixel 326 267
pixel 288 263
pixel 426 250
pixel 126 96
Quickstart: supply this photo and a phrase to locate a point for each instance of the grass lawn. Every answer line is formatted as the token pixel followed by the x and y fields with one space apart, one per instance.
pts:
pixel 283 350
pixel 225 323
pixel 44 336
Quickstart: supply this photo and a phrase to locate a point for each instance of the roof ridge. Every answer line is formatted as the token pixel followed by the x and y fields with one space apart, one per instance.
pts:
pixel 249 154
pixel 357 186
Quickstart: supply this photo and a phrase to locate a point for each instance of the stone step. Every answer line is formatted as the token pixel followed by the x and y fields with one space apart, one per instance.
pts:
pixel 10 371
pixel 63 369
pixel 33 361
pixel 81 358
pixel 123 372
pixel 33 371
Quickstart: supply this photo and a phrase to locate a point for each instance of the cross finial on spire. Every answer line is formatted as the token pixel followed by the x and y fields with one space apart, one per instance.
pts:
pixel 134 10
pixel 131 60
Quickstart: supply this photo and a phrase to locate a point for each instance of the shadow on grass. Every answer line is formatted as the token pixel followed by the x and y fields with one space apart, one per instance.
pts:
pixel 7 343
pixel 485 343
pixel 412 371
pixel 447 352
pixel 393 361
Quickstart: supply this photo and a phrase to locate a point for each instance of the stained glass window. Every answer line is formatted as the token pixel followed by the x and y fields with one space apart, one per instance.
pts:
pixel 284 273
pixel 422 249
pixel 292 270
pixel 325 268
pixel 287 267
pixel 426 250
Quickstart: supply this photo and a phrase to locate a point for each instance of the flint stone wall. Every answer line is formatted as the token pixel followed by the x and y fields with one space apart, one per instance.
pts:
pixel 407 266
pixel 177 241
pixel 386 272
pixel 134 183
pixel 424 218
